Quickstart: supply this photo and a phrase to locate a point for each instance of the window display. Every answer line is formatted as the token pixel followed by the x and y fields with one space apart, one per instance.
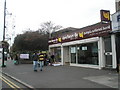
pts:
pixel 85 54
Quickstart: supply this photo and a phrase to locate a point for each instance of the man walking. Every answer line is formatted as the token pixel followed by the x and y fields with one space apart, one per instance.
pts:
pixel 35 61
pixel 41 60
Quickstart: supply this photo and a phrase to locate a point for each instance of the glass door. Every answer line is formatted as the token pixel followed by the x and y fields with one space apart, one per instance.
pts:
pixel 108 51
pixel 73 54
pixel 58 54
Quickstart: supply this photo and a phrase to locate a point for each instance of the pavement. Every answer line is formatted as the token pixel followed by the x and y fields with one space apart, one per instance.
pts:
pixel 62 76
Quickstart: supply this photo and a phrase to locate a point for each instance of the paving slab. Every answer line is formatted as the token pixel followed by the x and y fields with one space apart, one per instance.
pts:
pixel 108 80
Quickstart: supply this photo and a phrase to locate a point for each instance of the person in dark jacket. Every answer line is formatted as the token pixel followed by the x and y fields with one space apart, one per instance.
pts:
pixel 16 59
pixel 52 58
pixel 35 61
pixel 45 59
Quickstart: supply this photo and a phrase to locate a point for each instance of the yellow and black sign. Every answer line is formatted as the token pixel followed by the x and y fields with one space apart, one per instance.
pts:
pixel 59 39
pixel 81 34
pixel 105 15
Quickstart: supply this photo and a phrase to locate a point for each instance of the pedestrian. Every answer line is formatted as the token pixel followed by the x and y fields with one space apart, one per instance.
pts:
pixel 11 56
pixel 52 58
pixel 5 58
pixel 45 59
pixel 16 59
pixel 35 61
pixel 41 60
pixel 49 57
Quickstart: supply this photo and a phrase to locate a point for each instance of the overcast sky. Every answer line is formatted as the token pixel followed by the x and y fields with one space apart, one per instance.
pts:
pixel 67 13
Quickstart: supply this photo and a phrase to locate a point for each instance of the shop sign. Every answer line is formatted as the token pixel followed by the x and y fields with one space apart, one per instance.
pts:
pixel 105 15
pixel 100 31
pixel 87 32
pixel 67 37
pixel 70 36
pixel 116 21
pixel 55 40
pixel 93 31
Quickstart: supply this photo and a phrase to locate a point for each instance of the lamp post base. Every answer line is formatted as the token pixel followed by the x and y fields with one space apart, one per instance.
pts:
pixel 3 66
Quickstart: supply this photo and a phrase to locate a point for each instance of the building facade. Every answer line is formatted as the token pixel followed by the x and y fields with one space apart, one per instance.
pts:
pixel 116 31
pixel 92 46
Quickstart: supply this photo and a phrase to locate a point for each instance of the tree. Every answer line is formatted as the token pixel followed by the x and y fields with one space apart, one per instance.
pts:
pixel 5 45
pixel 35 40
pixel 48 27
pixel 30 41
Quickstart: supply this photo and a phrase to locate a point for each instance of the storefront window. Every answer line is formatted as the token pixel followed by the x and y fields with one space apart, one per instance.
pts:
pixel 57 53
pixel 107 41
pixel 73 54
pixel 87 53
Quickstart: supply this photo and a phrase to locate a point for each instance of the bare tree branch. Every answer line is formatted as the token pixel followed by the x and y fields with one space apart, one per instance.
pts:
pixel 49 27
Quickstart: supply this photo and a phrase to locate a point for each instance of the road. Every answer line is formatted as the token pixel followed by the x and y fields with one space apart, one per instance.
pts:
pixel 62 76
pixel 9 83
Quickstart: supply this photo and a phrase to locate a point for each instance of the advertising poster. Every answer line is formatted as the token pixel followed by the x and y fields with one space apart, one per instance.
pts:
pixel 24 56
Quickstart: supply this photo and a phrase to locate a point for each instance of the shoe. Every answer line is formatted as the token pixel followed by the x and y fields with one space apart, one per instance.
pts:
pixel 35 70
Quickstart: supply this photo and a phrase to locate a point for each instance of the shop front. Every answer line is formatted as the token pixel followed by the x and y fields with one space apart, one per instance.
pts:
pixel 84 54
pixel 90 46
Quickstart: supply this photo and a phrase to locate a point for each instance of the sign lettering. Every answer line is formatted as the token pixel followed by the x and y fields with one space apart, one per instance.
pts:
pixel 95 31
pixel 118 18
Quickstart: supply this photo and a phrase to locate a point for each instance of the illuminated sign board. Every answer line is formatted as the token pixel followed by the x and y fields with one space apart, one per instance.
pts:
pixel 105 15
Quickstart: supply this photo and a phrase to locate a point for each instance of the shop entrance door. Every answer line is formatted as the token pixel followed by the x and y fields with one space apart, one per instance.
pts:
pixel 108 51
pixel 57 54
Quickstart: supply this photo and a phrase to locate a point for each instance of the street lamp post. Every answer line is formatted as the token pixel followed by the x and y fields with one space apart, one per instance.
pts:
pixel 3 55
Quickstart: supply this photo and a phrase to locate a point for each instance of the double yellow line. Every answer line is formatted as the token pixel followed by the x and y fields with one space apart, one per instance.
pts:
pixel 11 84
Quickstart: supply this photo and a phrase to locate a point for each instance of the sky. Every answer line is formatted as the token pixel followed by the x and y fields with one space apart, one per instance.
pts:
pixel 67 13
